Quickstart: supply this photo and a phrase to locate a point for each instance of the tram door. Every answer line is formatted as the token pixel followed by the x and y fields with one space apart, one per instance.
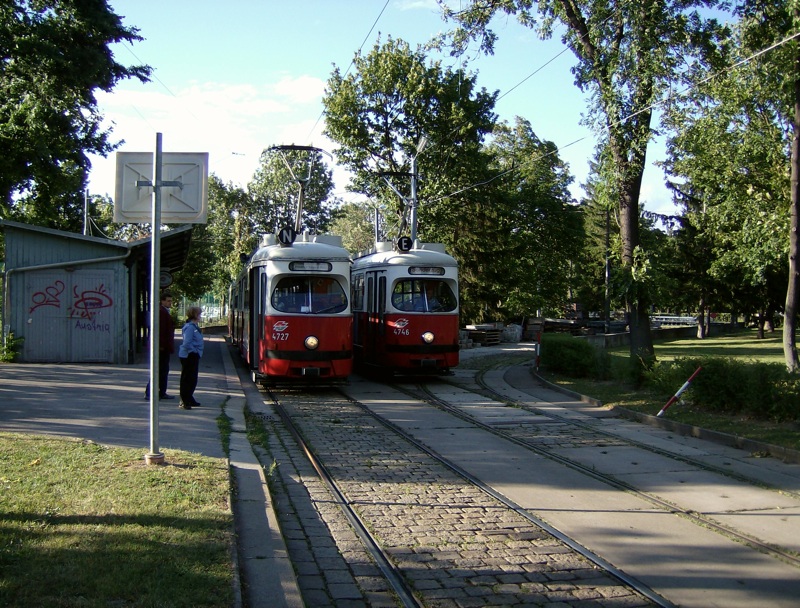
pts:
pixel 254 305
pixel 376 313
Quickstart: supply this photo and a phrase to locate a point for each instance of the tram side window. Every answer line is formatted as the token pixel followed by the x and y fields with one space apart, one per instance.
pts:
pixel 423 295
pixel 358 292
pixel 309 295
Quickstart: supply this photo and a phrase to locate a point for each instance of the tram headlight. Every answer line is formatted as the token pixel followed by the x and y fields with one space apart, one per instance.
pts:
pixel 428 337
pixel 311 342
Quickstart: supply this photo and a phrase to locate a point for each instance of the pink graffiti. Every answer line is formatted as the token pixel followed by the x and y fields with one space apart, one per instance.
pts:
pixel 89 301
pixel 48 297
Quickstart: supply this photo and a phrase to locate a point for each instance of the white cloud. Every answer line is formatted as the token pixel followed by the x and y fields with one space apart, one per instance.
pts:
pixel 304 89
pixel 410 5
pixel 234 123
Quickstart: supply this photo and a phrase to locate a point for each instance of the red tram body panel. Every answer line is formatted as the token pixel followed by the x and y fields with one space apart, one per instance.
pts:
pixel 290 311
pixel 405 309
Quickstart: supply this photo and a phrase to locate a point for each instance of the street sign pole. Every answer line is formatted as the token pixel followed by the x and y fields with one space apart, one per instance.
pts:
pixel 186 206
pixel 154 456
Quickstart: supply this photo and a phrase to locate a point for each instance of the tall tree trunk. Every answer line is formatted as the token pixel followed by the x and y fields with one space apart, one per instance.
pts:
pixel 636 300
pixel 793 289
pixel 701 319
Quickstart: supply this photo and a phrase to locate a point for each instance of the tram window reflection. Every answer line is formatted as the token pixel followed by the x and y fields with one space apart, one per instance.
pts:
pixel 309 295
pixel 423 295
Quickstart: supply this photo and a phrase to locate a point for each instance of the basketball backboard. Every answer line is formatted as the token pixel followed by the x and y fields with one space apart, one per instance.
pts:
pixel 186 204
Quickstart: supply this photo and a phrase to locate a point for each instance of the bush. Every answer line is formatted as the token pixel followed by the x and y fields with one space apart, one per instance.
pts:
pixel 10 347
pixel 731 386
pixel 563 354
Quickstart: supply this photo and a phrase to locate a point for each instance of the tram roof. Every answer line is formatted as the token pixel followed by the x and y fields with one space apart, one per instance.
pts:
pixel 302 250
pixel 413 257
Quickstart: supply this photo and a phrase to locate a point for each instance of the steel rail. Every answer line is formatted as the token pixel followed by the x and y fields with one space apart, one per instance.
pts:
pixel 612 570
pixel 392 575
pixel 693 516
pixel 650 448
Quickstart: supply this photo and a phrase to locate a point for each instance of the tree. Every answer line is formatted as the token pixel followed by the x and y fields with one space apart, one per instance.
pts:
pixel 355 223
pixel 227 234
pixel 765 23
pixel 274 191
pixel 734 146
pixel 545 228
pixel 628 53
pixel 54 55
pixel 393 100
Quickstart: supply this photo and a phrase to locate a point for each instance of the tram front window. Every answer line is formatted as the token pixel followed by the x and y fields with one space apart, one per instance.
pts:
pixel 423 295
pixel 309 295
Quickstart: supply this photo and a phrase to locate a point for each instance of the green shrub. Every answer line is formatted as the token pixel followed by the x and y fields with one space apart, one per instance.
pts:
pixel 731 386
pixel 563 354
pixel 10 347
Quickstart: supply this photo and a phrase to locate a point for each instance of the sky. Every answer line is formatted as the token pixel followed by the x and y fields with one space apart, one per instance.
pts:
pixel 232 78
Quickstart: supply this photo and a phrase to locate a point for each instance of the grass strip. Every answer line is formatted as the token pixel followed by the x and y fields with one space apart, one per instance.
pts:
pixel 82 524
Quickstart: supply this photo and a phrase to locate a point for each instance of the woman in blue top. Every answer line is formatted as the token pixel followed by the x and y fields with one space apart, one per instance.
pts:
pixel 189 354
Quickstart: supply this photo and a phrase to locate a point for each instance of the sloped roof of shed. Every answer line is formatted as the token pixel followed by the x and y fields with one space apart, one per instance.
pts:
pixel 174 243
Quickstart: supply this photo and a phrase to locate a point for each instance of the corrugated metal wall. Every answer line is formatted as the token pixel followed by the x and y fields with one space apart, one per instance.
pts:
pixel 75 312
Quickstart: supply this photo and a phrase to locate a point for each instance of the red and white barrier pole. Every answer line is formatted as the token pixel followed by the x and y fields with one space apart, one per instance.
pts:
pixel 674 398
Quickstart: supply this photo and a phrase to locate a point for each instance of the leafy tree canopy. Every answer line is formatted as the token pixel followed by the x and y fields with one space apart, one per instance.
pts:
pixel 54 55
pixel 393 100
pixel 276 186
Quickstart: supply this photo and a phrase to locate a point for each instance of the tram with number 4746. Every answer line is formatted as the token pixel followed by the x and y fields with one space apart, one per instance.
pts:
pixel 405 308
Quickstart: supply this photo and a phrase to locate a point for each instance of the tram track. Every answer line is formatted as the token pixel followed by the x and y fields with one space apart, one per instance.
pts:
pixel 481 381
pixel 393 577
pixel 422 391
pixel 516 525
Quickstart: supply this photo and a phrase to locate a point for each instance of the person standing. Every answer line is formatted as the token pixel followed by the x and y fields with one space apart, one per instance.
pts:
pixel 166 346
pixel 189 353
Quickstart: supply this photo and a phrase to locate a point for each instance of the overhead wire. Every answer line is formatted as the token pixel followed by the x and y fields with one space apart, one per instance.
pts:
pixel 624 119
pixel 127 46
pixel 528 77
pixel 352 62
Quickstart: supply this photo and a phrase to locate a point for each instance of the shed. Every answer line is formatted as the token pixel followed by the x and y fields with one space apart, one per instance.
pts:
pixel 79 299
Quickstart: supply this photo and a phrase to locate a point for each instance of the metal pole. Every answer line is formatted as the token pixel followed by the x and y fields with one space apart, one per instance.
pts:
pixel 155 457
pixel 86 212
pixel 414 199
pixel 607 276
pixel 421 145
pixel 298 221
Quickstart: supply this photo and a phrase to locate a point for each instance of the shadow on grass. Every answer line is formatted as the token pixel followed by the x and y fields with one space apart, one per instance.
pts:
pixel 49 559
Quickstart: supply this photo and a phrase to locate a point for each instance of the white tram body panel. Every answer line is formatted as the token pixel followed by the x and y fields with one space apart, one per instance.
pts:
pixel 405 309
pixel 292 319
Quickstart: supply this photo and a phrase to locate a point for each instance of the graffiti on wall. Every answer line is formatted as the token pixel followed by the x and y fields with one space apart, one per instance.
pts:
pixel 85 305
pixel 50 296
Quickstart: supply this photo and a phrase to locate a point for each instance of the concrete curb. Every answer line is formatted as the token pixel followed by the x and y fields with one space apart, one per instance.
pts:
pixel 267 572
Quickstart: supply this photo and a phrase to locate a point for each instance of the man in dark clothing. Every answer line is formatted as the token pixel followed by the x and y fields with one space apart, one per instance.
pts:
pixel 166 346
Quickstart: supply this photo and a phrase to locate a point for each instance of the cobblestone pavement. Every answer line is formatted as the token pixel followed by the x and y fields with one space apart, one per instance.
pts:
pixel 455 544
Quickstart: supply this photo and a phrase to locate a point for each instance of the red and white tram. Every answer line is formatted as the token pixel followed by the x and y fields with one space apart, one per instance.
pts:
pixel 405 309
pixel 290 311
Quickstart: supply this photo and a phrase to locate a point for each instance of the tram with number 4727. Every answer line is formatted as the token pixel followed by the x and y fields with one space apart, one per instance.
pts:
pixel 290 306
pixel 290 311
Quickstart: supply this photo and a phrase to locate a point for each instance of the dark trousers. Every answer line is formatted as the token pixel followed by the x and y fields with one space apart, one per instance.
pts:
pixel 163 374
pixel 163 371
pixel 190 368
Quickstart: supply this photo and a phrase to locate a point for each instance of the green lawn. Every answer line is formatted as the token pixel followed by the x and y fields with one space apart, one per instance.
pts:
pixel 87 525
pixel 741 345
